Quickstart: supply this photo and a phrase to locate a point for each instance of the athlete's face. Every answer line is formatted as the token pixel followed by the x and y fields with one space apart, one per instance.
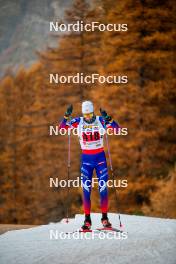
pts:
pixel 88 116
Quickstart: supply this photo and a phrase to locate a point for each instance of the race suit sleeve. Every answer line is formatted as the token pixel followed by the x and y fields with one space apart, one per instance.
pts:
pixel 110 124
pixel 73 123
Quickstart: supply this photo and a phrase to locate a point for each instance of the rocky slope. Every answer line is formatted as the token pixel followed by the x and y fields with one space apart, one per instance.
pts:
pixel 24 29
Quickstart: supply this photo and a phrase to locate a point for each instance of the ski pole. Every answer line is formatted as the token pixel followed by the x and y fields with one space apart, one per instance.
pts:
pixel 68 175
pixel 112 173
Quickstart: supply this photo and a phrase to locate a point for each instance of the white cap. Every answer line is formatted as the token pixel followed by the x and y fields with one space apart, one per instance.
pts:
pixel 87 107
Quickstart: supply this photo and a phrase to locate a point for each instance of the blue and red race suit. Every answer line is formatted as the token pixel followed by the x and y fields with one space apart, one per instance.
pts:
pixel 93 156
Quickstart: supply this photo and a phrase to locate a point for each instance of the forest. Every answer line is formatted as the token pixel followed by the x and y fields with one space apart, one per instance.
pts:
pixel 145 105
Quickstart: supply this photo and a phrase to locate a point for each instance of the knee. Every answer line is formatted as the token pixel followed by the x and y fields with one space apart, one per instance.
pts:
pixel 103 188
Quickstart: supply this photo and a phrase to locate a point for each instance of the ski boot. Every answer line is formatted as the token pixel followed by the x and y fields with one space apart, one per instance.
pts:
pixel 105 221
pixel 87 225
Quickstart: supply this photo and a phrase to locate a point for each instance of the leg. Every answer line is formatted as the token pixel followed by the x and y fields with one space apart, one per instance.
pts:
pixel 86 177
pixel 102 174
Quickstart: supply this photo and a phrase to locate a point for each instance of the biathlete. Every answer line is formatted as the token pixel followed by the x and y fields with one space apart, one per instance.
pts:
pixel 93 155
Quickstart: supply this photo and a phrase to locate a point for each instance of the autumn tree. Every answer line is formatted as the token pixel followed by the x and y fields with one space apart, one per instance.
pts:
pixel 76 53
pixel 146 104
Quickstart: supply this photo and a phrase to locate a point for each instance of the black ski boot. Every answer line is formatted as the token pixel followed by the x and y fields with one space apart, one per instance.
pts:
pixel 105 221
pixel 87 224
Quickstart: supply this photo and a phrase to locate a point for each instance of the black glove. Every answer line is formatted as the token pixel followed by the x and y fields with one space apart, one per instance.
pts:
pixel 105 115
pixel 69 111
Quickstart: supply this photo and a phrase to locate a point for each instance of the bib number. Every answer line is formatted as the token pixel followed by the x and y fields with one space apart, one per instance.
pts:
pixel 89 136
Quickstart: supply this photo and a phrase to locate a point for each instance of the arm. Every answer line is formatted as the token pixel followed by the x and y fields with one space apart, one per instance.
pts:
pixel 66 123
pixel 73 123
pixel 109 124
pixel 107 121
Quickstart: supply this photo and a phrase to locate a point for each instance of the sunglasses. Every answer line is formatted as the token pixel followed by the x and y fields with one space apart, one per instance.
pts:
pixel 90 115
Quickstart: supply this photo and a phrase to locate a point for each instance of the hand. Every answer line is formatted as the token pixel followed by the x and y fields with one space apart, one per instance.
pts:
pixel 105 115
pixel 69 111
